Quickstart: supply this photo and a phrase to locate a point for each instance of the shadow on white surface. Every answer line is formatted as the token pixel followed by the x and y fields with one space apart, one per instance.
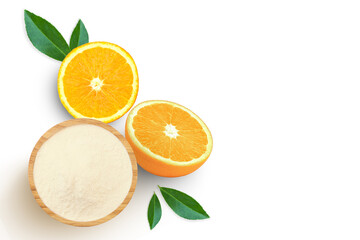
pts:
pixel 24 219
pixel 55 99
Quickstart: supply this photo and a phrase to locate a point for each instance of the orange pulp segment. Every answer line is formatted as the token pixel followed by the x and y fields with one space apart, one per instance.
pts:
pixel 98 80
pixel 168 139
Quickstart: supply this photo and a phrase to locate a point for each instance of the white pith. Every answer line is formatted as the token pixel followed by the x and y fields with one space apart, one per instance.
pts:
pixel 171 131
pixel 96 84
pixel 83 48
pixel 131 132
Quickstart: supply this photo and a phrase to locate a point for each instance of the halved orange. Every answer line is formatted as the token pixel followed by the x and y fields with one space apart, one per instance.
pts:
pixel 98 80
pixel 168 139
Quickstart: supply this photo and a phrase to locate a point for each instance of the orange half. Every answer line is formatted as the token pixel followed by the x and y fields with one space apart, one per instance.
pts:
pixel 98 80
pixel 168 139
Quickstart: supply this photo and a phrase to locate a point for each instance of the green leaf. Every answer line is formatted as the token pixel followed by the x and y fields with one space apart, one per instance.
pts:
pixel 182 204
pixel 154 211
pixel 79 36
pixel 45 37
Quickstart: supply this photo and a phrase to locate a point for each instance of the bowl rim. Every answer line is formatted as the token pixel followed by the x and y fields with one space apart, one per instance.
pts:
pixel 52 131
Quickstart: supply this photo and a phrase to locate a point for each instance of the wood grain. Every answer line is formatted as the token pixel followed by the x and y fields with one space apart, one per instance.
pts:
pixel 53 131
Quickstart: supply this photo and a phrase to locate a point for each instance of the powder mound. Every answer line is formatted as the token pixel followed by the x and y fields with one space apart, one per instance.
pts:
pixel 83 173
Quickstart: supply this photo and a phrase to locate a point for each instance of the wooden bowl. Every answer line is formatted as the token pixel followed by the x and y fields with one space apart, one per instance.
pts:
pixel 53 131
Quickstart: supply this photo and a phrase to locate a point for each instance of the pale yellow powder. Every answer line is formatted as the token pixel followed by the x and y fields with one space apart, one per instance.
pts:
pixel 82 173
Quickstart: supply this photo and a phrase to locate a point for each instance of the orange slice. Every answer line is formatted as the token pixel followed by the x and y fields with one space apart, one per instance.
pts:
pixel 98 80
pixel 168 139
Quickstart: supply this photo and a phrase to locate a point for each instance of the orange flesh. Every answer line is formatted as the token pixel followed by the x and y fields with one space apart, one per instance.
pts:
pixel 150 125
pixel 106 65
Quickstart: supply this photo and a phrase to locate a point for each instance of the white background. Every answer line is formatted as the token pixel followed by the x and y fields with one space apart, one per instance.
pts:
pixel 277 83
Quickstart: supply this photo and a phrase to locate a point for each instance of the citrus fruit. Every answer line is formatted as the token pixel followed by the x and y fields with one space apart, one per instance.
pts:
pixel 98 80
pixel 168 139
